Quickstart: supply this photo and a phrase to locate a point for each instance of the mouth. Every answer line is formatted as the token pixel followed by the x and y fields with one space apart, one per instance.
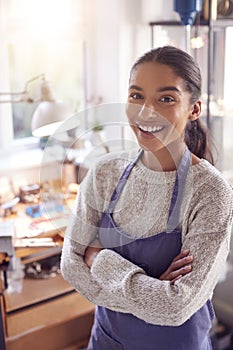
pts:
pixel 150 129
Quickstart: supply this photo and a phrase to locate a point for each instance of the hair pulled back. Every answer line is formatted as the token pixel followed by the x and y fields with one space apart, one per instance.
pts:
pixel 184 66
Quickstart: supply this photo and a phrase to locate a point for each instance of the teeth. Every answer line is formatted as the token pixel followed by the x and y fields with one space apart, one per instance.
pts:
pixel 150 128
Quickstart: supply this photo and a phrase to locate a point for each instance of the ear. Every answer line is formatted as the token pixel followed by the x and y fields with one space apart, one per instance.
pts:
pixel 195 111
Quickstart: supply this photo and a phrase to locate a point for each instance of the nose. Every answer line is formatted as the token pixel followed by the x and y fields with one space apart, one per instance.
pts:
pixel 147 112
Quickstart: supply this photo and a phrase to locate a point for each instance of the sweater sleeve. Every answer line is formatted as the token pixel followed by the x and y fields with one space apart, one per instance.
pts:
pixel 81 231
pixel 130 290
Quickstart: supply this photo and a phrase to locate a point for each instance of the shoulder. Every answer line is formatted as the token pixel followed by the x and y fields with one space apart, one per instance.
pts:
pixel 114 161
pixel 210 182
pixel 104 174
pixel 106 170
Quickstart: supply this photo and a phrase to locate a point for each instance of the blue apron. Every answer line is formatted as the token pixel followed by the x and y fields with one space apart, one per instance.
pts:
pixel 115 330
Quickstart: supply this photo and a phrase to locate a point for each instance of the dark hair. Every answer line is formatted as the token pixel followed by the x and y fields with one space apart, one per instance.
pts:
pixel 184 66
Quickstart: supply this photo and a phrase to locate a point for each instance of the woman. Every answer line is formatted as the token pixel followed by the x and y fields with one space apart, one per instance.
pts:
pixel 151 229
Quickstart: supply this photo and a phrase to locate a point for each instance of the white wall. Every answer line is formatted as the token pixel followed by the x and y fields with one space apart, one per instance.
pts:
pixel 5 108
pixel 118 31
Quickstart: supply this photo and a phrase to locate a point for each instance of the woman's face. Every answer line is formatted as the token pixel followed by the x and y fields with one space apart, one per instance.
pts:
pixel 158 107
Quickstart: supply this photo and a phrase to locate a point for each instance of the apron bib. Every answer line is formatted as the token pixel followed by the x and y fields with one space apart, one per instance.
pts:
pixel 115 330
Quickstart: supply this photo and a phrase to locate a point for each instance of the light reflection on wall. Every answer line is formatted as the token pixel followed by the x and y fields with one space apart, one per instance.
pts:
pixel 228 95
pixel 228 104
pixel 45 19
pixel 44 37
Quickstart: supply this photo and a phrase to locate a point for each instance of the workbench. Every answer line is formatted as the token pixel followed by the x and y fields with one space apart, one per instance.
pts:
pixel 46 313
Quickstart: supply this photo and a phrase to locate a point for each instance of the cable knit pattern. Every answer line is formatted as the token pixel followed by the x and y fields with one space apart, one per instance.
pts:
pixel 142 211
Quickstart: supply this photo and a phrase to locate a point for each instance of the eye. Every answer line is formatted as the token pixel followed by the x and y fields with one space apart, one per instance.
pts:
pixel 167 99
pixel 136 96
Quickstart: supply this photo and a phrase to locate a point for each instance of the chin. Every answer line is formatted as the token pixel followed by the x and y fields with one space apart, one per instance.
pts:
pixel 153 147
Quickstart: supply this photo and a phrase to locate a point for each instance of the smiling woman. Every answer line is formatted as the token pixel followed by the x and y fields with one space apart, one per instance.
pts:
pixel 151 226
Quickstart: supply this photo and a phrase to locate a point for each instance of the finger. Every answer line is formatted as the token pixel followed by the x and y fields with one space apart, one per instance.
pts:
pixel 181 263
pixel 182 254
pixel 169 276
pixel 90 256
pixel 177 264
pixel 176 279
pixel 182 271
pixel 90 250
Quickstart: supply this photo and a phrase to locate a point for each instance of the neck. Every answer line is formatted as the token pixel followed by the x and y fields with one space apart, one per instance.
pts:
pixel 165 159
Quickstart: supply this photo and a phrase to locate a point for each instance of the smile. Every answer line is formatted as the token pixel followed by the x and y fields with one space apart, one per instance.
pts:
pixel 151 129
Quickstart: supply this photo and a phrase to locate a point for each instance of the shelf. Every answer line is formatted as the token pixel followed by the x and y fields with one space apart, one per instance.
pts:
pixel 176 23
pixel 47 314
pixel 35 291
pixel 57 324
pixel 50 313
pixel 220 22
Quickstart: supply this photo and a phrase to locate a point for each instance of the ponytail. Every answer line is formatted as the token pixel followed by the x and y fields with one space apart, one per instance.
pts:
pixel 197 140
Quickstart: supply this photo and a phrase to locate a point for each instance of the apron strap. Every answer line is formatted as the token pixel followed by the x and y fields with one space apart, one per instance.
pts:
pixel 178 190
pixel 177 194
pixel 121 183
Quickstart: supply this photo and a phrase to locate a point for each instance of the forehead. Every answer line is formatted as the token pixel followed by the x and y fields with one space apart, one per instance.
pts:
pixel 156 74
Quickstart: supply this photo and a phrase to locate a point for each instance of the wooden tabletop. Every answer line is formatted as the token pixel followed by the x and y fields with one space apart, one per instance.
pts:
pixel 36 290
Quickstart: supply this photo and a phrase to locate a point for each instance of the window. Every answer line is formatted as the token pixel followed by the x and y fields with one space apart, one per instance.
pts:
pixel 41 37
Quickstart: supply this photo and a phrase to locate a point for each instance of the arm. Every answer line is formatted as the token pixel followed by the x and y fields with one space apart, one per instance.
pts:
pixel 76 248
pixel 116 283
pixel 180 266
pixel 81 230
pixel 82 227
pixel 159 302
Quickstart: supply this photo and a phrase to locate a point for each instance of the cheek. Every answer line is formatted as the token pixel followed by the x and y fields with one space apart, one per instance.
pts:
pixel 132 111
pixel 179 118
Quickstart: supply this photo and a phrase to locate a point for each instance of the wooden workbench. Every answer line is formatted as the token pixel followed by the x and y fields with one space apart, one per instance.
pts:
pixel 45 314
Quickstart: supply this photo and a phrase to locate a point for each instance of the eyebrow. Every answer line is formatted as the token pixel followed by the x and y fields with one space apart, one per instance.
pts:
pixel 135 87
pixel 164 88
pixel 169 88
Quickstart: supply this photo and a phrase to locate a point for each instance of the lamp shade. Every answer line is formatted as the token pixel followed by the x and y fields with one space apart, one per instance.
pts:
pixel 49 114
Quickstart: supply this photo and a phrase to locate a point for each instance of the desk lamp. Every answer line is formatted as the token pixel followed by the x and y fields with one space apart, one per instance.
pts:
pixel 50 112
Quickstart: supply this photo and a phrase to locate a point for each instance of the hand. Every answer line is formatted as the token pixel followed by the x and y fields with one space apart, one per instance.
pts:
pixel 91 253
pixel 180 266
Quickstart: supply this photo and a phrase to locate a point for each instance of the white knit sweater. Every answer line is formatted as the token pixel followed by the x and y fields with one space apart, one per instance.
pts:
pixel 142 211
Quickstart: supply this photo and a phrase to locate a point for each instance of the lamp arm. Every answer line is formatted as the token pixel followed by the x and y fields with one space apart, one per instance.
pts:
pixel 24 95
pixel 42 76
pixel 12 93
